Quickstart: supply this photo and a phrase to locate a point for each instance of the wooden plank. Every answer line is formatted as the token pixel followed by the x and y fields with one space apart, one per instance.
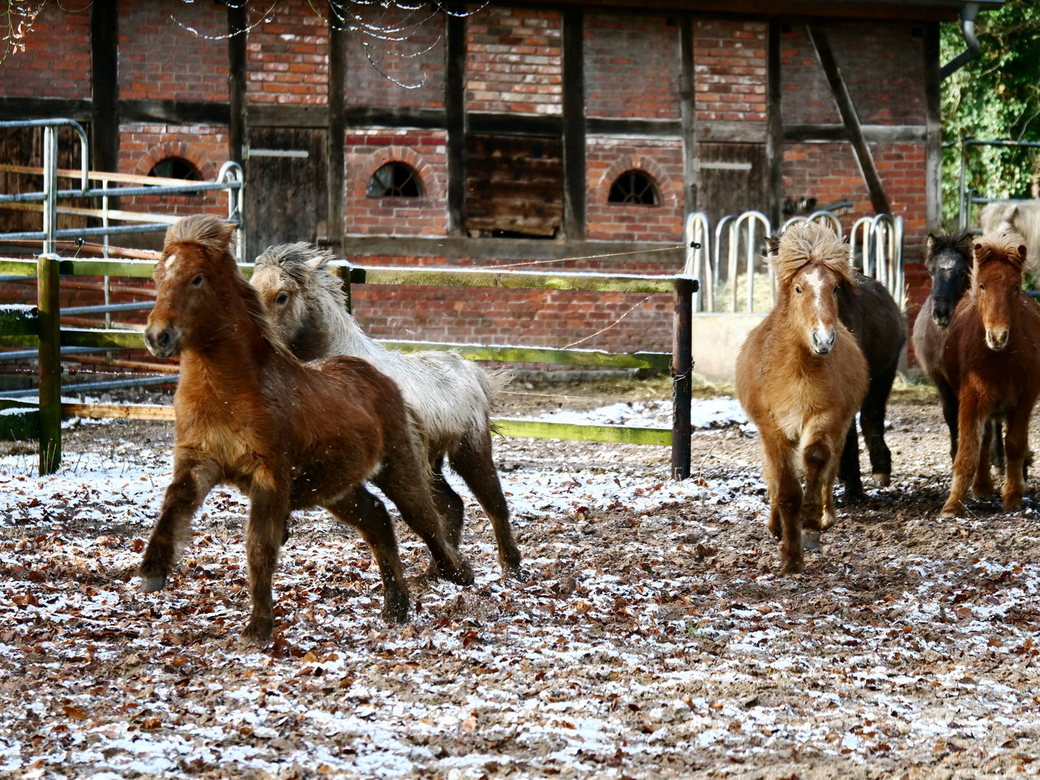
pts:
pixel 688 116
pixel 237 23
pixel 133 268
pixel 682 375
pixel 541 125
pixel 104 85
pixel 100 337
pixel 775 120
pixel 13 109
pixel 645 128
pixel 575 185
pixel 48 297
pixel 874 134
pixel 659 361
pixel 19 321
pixel 455 116
pixel 933 129
pixel 19 422
pixel 484 277
pixel 116 214
pixel 181 112
pixel 840 92
pixel 614 434
pixel 153 412
pixel 10 266
pixel 337 128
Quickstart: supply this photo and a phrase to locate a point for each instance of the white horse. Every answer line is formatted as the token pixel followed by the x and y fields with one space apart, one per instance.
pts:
pixel 450 396
pixel 1022 217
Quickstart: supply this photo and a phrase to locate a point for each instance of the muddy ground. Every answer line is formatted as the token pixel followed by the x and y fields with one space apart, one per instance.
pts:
pixel 652 635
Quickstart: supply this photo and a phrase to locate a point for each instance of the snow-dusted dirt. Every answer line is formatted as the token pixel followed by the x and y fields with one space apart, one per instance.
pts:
pixel 653 636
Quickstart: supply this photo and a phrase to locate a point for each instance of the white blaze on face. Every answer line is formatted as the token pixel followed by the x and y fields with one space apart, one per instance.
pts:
pixel 171 260
pixel 822 333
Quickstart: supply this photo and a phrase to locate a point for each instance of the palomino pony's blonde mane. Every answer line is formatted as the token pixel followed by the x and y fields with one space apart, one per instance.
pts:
pixel 809 242
pixel 217 238
pixel 1011 247
pixel 303 262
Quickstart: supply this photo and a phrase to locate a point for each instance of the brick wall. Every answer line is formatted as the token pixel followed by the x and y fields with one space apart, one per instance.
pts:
pixel 406 71
pixel 287 54
pixel 55 61
pixel 608 158
pixel 730 70
pixel 423 152
pixel 170 50
pixel 631 66
pixel 513 61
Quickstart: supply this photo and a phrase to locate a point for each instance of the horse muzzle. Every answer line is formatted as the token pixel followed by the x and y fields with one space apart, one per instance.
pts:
pixel 822 340
pixel 996 339
pixel 162 341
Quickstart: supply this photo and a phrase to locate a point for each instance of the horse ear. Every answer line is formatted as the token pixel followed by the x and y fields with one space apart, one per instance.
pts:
pixel 982 252
pixel 772 244
pixel 1022 253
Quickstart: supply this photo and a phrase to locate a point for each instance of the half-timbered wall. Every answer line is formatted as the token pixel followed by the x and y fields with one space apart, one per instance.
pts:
pixel 320 111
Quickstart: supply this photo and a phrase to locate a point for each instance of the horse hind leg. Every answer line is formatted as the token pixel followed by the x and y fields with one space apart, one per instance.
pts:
pixel 872 420
pixel 992 454
pixel 406 485
pixel 451 508
pixel 366 513
pixel 474 462
pixel 848 470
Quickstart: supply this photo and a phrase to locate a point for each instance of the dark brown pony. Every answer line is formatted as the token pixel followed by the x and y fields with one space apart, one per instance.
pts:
pixel 289 435
pixel 991 360
pixel 801 376
pixel 868 310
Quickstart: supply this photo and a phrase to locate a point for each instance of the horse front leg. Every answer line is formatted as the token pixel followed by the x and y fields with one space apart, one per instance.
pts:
pixel 969 449
pixel 268 520
pixel 991 452
pixel 785 497
pixel 819 460
pixel 1016 452
pixel 192 481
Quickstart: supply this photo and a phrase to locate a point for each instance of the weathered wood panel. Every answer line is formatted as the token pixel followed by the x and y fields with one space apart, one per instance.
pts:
pixel 733 178
pixel 514 186
pixel 286 187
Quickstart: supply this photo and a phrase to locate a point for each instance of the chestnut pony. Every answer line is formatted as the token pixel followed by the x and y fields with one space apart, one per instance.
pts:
pixel 801 377
pixel 289 435
pixel 991 360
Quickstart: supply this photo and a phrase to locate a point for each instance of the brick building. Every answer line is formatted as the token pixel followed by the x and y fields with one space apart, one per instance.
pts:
pixel 576 135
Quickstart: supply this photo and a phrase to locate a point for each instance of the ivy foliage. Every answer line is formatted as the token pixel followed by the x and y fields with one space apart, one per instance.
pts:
pixel 994 97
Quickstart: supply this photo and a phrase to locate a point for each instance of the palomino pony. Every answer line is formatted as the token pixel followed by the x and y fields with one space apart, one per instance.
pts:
pixel 288 434
pixel 801 376
pixel 868 310
pixel 992 362
pixel 450 396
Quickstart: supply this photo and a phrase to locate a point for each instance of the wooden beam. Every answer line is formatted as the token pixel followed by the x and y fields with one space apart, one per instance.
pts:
pixel 840 92
pixel 933 129
pixel 196 112
pixel 237 24
pixel 104 85
pixel 688 115
pixel 13 109
pixel 575 185
pixel 775 121
pixel 455 116
pixel 874 134
pixel 337 128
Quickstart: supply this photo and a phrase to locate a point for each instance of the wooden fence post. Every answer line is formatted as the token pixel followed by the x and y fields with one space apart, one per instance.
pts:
pixel 48 303
pixel 682 368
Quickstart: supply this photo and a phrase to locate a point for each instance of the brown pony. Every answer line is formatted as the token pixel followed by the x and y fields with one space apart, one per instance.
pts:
pixel 801 376
pixel 289 435
pixel 991 360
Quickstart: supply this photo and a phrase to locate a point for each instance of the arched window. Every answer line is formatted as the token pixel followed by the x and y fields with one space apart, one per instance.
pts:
pixel 394 180
pixel 634 187
pixel 175 168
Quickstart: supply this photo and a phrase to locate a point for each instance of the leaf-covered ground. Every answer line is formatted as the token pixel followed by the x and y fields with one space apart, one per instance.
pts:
pixel 652 636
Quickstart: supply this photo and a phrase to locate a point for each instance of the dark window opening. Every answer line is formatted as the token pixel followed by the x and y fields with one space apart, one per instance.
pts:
pixel 634 187
pixel 175 168
pixel 394 180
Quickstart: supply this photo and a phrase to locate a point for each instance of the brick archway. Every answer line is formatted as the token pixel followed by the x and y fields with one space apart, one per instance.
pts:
pixel 668 189
pixel 431 185
pixel 186 151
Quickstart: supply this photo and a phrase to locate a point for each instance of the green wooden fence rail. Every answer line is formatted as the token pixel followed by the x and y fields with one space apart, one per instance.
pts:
pixel 41 327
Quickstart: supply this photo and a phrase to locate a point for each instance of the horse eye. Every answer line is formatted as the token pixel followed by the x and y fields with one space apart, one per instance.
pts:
pixel 196 281
pixel 1017 288
pixel 798 289
pixel 282 298
pixel 982 287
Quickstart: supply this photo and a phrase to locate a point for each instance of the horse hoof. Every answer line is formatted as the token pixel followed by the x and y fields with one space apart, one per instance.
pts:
pixel 810 539
pixel 951 510
pixel 461 574
pixel 152 584
pixel 395 610
pixel 257 633
pixel 882 480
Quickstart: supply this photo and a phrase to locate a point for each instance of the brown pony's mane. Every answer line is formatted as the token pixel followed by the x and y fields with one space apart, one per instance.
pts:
pixel 216 239
pixel 1009 247
pixel 809 242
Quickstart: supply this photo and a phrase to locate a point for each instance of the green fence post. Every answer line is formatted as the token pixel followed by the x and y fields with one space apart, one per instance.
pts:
pixel 682 381
pixel 48 303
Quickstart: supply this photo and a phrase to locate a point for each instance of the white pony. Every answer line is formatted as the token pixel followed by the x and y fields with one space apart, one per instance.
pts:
pixel 1022 217
pixel 450 396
